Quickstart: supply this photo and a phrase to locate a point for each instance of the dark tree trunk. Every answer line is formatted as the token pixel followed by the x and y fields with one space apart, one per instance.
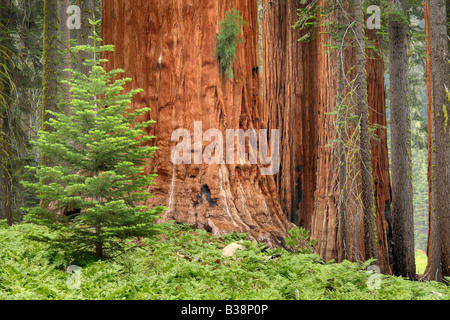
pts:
pixel 429 113
pixel 6 104
pixel 51 67
pixel 401 163
pixel 439 241
pixel 87 8
pixel 370 244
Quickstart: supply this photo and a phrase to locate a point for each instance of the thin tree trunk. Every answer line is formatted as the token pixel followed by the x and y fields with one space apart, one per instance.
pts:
pixel 6 103
pixel 51 64
pixel 429 115
pixel 342 137
pixel 50 57
pixel 65 47
pixel 370 244
pixel 379 150
pixel 401 166
pixel 439 241
pixel 87 8
pixel 5 196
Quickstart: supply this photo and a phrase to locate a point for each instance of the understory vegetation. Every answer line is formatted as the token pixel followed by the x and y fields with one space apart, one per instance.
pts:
pixel 181 263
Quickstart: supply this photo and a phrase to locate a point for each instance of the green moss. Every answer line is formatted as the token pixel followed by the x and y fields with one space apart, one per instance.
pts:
pixel 444 109
pixel 227 41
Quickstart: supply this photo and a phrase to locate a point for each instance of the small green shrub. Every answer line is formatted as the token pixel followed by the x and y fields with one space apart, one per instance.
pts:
pixel 99 155
pixel 234 237
pixel 227 41
pixel 298 240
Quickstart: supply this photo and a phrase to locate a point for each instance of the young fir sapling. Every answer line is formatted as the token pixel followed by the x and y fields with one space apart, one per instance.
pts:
pixel 99 154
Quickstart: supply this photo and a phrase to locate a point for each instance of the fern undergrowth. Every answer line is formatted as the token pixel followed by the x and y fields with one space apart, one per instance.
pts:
pixel 182 264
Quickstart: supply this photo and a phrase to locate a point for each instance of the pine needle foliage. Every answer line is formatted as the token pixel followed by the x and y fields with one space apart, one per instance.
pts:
pixel 100 154
pixel 227 41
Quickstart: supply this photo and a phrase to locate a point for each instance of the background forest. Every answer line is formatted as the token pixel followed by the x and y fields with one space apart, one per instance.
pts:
pixel 38 44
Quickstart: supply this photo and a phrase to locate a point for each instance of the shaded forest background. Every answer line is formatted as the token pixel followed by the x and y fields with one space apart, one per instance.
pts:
pixel 22 44
pixel 25 19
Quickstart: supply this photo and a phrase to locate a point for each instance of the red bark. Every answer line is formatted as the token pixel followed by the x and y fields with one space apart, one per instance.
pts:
pixel 429 109
pixel 188 86
pixel 290 95
pixel 300 92
pixel 380 158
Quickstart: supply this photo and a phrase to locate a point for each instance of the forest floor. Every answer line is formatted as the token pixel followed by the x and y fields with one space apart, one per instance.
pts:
pixel 421 261
pixel 185 264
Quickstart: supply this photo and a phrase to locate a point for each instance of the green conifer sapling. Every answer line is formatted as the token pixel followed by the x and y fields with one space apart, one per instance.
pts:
pixel 99 153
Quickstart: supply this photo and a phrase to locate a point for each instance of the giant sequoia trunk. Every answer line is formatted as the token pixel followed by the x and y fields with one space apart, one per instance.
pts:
pixel 290 95
pixel 168 50
pixel 300 92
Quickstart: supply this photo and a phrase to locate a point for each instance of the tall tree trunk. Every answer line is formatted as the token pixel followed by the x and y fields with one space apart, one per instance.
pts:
pixel 87 9
pixel 375 71
pixel 328 196
pixel 439 240
pixel 6 104
pixel 5 192
pixel 300 91
pixel 168 50
pixel 50 57
pixel 401 163
pixel 290 95
pixel 370 244
pixel 342 137
pixel 65 48
pixel 429 114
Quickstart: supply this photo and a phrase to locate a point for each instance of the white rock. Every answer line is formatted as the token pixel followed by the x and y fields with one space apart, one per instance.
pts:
pixel 230 249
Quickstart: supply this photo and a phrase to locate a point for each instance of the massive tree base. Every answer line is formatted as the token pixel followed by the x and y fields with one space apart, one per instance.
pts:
pixel 300 92
pixel 168 50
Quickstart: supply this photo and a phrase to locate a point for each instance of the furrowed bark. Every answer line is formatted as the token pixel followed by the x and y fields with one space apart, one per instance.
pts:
pixel 168 50
pixel 401 167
